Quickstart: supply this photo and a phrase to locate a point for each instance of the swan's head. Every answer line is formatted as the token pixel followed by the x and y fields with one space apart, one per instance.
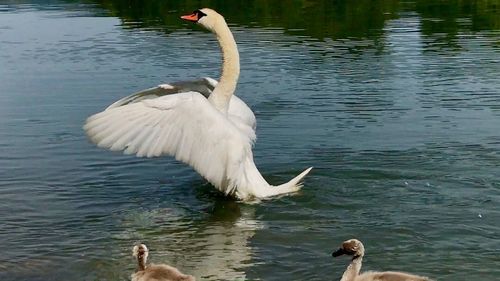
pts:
pixel 140 252
pixel 351 247
pixel 206 17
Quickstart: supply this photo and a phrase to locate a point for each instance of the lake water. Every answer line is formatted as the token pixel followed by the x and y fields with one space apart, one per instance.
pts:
pixel 395 104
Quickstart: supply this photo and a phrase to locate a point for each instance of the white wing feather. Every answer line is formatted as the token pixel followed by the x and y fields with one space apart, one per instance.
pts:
pixel 183 125
pixel 241 115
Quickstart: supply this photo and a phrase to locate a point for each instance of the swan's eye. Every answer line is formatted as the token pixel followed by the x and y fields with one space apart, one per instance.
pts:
pixel 199 13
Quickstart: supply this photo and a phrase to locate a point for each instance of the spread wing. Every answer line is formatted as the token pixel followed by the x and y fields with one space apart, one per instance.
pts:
pixel 204 86
pixel 241 115
pixel 184 125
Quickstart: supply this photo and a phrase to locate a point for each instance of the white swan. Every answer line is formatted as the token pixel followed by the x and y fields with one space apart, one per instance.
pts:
pixel 214 135
pixel 155 272
pixel 356 249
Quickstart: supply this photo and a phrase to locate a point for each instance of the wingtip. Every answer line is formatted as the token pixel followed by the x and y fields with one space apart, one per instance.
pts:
pixel 304 173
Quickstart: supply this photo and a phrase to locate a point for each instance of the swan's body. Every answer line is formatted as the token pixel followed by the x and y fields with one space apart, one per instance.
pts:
pixel 201 123
pixel 155 272
pixel 356 249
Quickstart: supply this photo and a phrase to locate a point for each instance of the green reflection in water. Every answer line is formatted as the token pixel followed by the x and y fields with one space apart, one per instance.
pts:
pixel 317 19
pixel 443 21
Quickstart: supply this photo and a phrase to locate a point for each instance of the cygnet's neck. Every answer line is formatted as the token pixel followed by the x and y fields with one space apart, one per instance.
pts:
pixel 141 262
pixel 353 269
pixel 230 68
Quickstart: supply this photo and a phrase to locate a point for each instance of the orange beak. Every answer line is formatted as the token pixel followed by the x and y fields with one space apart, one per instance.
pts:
pixel 192 17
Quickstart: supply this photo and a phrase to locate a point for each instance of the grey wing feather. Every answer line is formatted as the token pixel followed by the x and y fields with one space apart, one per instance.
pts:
pixel 205 86
pixel 238 111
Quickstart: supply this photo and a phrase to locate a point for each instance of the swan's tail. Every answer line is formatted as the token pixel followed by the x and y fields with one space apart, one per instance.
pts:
pixel 292 186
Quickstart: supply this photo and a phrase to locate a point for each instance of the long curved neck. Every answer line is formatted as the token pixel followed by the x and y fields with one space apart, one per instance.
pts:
pixel 353 269
pixel 230 68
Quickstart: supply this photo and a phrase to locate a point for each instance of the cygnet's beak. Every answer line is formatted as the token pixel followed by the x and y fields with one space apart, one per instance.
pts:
pixel 339 252
pixel 192 17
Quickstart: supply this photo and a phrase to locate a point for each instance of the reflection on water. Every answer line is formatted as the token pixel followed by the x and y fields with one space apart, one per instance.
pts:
pixel 211 243
pixel 214 247
pixel 394 101
pixel 318 19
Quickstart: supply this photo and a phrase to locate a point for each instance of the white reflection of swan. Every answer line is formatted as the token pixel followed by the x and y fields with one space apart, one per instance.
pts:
pixel 213 248
pixel 226 251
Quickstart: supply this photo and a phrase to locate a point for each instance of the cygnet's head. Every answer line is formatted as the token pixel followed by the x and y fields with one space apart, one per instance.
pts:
pixel 140 252
pixel 351 247
pixel 205 17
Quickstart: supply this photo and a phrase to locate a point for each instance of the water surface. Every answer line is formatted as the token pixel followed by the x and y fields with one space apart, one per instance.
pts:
pixel 395 104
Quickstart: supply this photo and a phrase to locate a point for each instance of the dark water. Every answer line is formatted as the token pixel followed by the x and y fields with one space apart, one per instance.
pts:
pixel 395 104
